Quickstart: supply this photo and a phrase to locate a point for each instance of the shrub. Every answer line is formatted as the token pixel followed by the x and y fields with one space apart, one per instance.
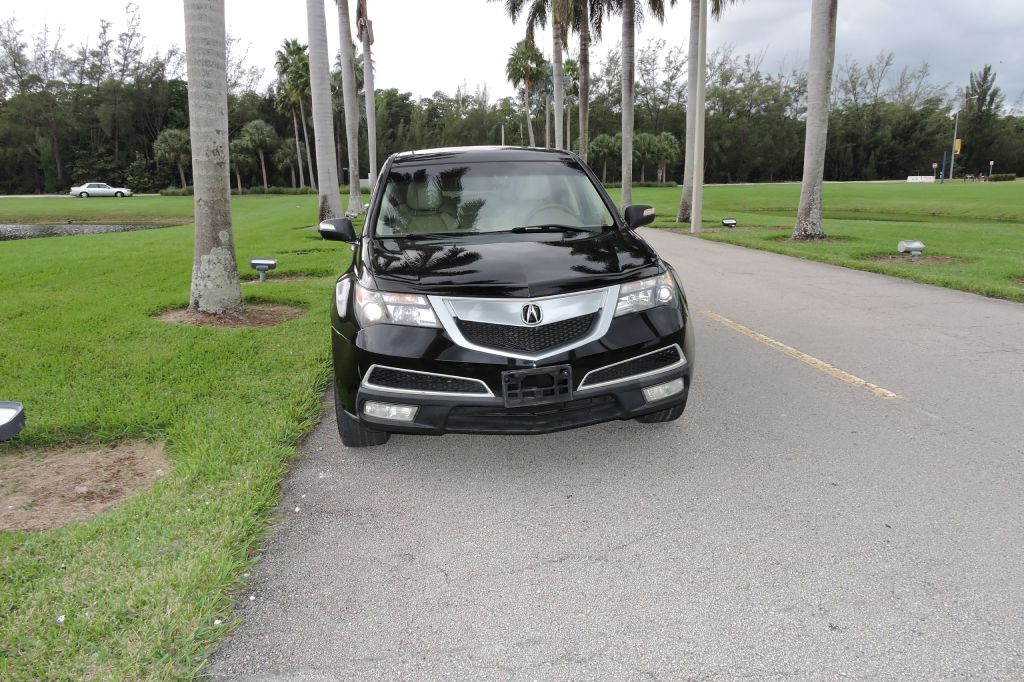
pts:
pixel 1002 177
pixel 176 191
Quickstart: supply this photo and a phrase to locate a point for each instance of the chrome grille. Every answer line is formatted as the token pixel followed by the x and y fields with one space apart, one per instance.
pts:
pixel 639 366
pixel 422 382
pixel 517 338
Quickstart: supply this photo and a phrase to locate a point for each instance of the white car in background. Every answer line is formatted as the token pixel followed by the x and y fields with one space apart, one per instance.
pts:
pixel 99 189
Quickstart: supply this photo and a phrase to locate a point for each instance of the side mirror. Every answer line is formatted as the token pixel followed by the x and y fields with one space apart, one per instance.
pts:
pixel 639 215
pixel 12 420
pixel 338 230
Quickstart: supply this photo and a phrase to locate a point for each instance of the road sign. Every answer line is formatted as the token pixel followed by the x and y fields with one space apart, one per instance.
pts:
pixel 959 143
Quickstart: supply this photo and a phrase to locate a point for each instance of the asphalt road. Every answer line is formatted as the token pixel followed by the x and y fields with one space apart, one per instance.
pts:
pixel 792 523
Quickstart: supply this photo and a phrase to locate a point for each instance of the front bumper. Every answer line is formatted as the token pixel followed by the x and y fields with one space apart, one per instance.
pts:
pixel 429 350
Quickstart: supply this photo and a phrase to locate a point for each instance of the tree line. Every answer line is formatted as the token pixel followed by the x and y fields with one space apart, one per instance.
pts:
pixel 114 113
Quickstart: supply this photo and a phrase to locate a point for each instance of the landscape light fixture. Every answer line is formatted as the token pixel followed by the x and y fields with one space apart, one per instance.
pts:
pixel 912 246
pixel 263 264
pixel 12 419
pixel 729 222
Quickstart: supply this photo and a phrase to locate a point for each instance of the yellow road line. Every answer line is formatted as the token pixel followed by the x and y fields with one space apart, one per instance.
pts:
pixel 814 362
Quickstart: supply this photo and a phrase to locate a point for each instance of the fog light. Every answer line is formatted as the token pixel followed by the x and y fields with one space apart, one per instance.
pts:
pixel 397 413
pixel 661 391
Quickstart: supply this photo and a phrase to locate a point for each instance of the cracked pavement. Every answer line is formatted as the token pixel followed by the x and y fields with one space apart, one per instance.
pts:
pixel 789 525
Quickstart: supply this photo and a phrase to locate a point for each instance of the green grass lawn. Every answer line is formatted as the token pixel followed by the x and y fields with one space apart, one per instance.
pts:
pixel 979 223
pixel 142 585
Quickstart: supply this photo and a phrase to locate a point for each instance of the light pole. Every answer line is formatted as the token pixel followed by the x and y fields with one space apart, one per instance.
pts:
pixel 956 122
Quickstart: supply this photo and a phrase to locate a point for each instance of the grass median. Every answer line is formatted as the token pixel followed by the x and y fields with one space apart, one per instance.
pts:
pixel 974 232
pixel 144 589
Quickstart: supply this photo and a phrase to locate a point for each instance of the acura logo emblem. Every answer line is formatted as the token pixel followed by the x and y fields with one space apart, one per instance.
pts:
pixel 532 314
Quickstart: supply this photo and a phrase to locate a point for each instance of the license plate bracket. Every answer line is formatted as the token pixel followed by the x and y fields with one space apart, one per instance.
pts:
pixel 537 386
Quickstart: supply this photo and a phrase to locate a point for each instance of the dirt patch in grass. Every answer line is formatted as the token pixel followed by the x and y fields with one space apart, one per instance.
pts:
pixel 253 315
pixel 921 260
pixel 43 489
pixel 1019 281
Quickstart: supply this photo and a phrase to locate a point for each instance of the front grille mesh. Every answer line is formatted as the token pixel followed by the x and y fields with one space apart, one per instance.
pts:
pixel 666 357
pixel 386 377
pixel 515 338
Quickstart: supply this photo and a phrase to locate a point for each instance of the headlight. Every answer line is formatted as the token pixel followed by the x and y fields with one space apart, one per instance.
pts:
pixel 380 307
pixel 647 293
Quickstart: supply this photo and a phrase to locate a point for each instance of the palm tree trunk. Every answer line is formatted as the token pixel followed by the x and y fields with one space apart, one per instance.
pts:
pixel 585 85
pixel 323 113
pixel 181 174
pixel 348 89
pixel 215 286
pixel 559 70
pixel 305 140
pixel 238 179
pixel 698 129
pixel 291 169
pixel 568 126
pixel 529 118
pixel 263 167
pixel 604 172
pixel 628 9
pixel 547 121
pixel 298 147
pixel 692 60
pixel 369 95
pixel 819 82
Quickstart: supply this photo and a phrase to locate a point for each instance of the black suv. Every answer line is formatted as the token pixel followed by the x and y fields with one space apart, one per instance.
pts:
pixel 497 290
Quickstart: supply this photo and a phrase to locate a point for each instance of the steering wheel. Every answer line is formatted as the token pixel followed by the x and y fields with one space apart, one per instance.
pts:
pixel 563 212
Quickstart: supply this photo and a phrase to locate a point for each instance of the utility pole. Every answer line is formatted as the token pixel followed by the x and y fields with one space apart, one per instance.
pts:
pixel 952 154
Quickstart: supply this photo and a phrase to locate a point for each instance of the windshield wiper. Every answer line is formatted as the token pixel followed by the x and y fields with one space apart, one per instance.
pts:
pixel 424 235
pixel 553 228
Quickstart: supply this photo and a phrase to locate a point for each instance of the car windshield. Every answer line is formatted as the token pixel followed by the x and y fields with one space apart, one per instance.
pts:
pixel 472 198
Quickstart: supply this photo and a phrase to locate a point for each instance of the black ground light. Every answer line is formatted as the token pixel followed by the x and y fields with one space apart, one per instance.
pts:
pixel 263 264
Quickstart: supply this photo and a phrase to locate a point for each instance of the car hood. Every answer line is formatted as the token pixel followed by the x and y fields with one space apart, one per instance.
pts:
pixel 506 264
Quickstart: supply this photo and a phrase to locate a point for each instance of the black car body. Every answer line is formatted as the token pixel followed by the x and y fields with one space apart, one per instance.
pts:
pixel 498 290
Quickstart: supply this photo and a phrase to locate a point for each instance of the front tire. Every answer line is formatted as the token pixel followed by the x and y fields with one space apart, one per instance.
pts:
pixel 355 434
pixel 118 194
pixel 669 414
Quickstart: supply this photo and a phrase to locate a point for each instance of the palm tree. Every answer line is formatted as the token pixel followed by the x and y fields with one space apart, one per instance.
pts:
pixel 241 157
pixel 667 152
pixel 260 138
pixel 215 286
pixel 289 62
pixel 819 85
pixel 172 145
pixel 645 149
pixel 586 19
pixel 525 65
pixel 365 31
pixel 603 148
pixel 631 11
pixel 348 89
pixel 323 116
pixel 537 16
pixel 284 157
pixel 572 94
pixel 695 64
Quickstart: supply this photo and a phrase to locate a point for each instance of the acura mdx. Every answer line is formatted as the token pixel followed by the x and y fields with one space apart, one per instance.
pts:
pixel 499 290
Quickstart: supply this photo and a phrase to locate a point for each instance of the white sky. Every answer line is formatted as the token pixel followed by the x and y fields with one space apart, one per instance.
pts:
pixel 423 45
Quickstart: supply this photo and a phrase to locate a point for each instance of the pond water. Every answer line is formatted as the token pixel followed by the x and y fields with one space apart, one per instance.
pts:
pixel 8 232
